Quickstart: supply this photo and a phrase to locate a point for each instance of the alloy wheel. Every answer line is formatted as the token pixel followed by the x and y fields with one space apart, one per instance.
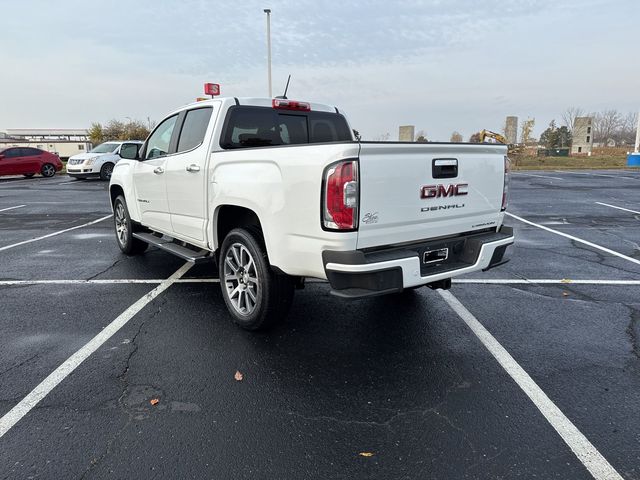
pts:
pixel 241 279
pixel 121 224
pixel 48 170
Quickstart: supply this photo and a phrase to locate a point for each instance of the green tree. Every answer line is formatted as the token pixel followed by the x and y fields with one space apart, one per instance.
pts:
pixel 135 130
pixel 117 130
pixel 549 137
pixel 554 137
pixel 96 135
pixel 114 130
pixel 421 137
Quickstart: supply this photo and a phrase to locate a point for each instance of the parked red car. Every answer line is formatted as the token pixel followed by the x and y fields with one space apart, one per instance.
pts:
pixel 28 161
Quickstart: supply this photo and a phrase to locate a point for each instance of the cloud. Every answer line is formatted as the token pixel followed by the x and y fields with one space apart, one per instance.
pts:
pixel 439 64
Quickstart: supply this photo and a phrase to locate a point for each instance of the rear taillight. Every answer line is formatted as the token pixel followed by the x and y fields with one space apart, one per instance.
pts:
pixel 290 105
pixel 505 185
pixel 340 196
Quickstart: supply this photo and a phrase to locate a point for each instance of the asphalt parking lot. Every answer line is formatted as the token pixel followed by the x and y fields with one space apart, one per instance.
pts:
pixel 530 370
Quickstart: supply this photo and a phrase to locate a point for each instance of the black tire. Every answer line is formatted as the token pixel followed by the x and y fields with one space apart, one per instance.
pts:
pixel 106 171
pixel 29 175
pixel 124 229
pixel 48 170
pixel 270 293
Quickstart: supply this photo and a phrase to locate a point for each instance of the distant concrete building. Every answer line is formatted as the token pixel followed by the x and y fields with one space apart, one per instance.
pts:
pixel 64 142
pixel 511 130
pixel 582 141
pixel 407 133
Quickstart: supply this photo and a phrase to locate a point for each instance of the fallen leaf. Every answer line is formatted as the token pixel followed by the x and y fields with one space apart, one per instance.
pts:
pixel 366 454
pixel 565 280
pixel 565 294
pixel 238 376
pixel 154 401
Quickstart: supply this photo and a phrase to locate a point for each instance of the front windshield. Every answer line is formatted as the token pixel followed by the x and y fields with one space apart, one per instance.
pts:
pixel 105 148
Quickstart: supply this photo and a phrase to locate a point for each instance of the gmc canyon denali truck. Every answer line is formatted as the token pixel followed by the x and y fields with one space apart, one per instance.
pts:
pixel 276 190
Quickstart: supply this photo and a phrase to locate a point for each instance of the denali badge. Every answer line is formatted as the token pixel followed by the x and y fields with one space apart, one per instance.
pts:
pixel 435 208
pixel 437 191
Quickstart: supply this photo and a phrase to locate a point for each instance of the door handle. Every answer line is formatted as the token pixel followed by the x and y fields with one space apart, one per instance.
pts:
pixel 193 168
pixel 158 170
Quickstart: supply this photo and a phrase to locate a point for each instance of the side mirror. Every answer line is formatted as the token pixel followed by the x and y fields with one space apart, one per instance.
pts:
pixel 130 152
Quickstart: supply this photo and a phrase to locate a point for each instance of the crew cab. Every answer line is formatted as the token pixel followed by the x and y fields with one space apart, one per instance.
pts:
pixel 99 161
pixel 276 191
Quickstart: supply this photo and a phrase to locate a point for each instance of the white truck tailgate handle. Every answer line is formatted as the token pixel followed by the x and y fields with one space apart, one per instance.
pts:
pixel 444 168
pixel 193 168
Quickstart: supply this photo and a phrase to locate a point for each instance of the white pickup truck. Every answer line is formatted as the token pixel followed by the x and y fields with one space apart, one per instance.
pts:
pixel 276 190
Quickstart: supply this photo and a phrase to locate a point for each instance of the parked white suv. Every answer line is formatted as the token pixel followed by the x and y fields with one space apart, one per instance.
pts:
pixel 98 162
pixel 276 190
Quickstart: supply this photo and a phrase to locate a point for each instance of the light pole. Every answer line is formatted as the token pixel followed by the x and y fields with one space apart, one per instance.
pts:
pixel 268 12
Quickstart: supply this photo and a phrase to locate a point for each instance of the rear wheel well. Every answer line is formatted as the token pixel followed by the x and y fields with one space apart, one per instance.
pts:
pixel 114 191
pixel 232 216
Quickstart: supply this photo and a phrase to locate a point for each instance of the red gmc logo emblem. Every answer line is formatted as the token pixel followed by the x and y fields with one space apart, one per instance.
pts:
pixel 437 191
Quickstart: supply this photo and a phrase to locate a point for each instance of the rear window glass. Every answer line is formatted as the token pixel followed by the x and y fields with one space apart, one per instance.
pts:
pixel 248 127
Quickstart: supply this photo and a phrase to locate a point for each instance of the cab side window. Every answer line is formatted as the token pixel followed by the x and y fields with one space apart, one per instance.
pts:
pixel 193 128
pixel 31 152
pixel 158 144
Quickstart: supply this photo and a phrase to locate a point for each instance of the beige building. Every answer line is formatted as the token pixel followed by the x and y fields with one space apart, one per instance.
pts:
pixel 582 136
pixel 511 130
pixel 64 142
pixel 407 133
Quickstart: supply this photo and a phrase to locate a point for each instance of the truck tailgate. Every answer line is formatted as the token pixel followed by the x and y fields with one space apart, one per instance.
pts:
pixel 401 201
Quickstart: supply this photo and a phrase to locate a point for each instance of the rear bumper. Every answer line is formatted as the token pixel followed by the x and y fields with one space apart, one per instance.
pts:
pixel 357 273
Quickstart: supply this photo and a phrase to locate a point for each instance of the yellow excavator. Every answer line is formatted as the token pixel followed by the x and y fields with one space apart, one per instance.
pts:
pixel 514 148
pixel 484 134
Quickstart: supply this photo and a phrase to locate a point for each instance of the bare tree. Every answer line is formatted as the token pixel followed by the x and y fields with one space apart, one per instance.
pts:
pixel 526 130
pixel 569 116
pixel 627 134
pixel 456 137
pixel 475 138
pixel 606 126
pixel 382 137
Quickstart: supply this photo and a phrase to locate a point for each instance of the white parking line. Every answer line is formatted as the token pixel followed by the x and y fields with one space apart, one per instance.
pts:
pixel 576 239
pixel 7 247
pixel 619 208
pixel 114 281
pixel 532 175
pixel 539 281
pixel 596 174
pixel 590 457
pixel 461 281
pixel 59 374
pixel 11 208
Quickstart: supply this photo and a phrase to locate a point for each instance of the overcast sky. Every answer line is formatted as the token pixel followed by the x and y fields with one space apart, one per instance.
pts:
pixel 441 65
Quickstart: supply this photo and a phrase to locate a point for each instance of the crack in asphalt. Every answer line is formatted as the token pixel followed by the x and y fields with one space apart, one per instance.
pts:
pixel 126 386
pixel 633 330
pixel 601 261
pixel 106 269
pixel 21 363
pixel 387 423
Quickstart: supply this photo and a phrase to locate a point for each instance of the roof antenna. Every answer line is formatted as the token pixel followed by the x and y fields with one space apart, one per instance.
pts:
pixel 284 96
